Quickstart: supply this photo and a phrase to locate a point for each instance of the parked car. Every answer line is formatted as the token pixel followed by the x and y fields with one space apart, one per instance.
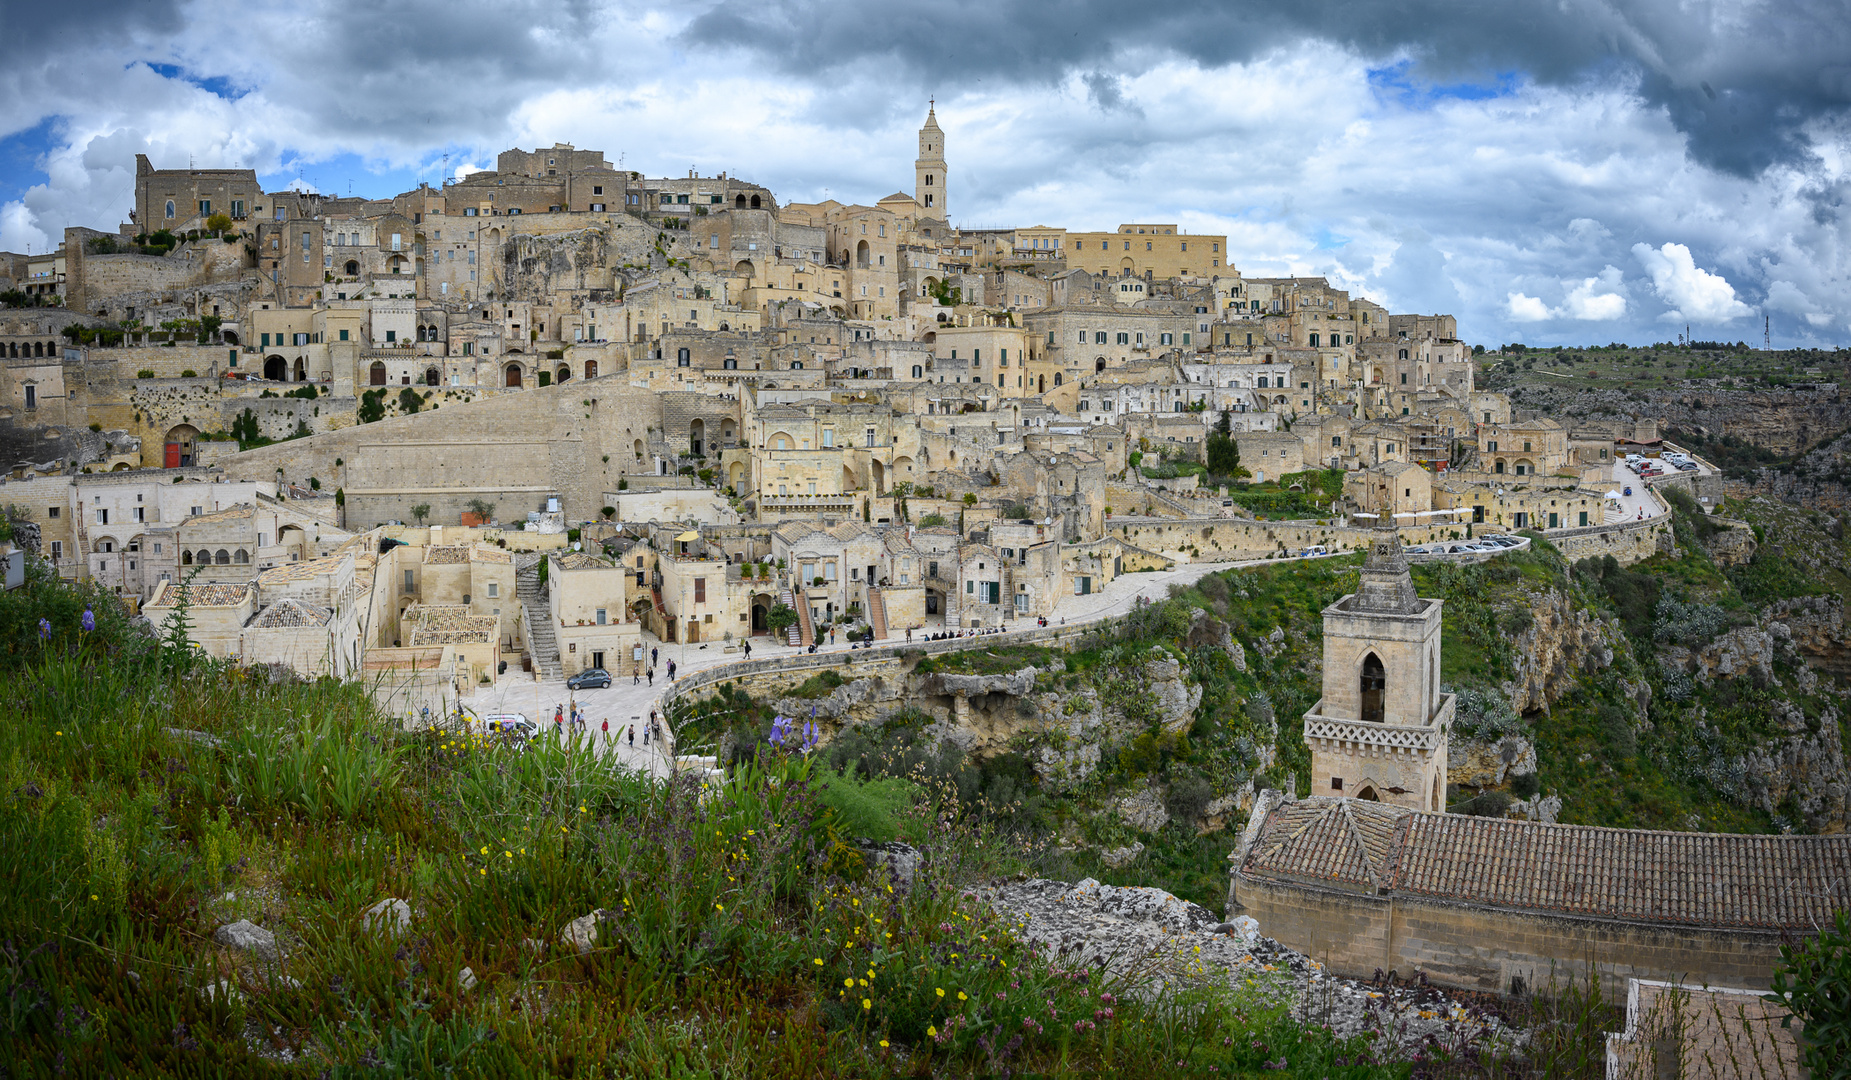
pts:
pixel 590 678
pixel 1501 542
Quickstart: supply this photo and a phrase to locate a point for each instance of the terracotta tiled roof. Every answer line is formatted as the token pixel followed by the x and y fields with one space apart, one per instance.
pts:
pixel 291 613
pixel 1712 879
pixel 446 554
pixel 207 595
pixel 579 560
pixel 482 553
pixel 241 511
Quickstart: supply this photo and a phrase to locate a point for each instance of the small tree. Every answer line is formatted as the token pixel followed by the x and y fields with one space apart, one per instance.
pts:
pixel 421 511
pixel 609 512
pixel 218 223
pixel 780 618
pixel 482 509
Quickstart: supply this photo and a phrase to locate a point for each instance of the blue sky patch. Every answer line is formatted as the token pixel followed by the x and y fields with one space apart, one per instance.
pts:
pixel 22 157
pixel 1397 84
pixel 217 85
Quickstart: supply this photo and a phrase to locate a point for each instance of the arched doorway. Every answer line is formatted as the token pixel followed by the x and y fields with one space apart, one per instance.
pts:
pixel 744 268
pixel 301 370
pixel 697 437
pixel 591 369
pixel 179 446
pixel 564 373
pixel 433 377
pixel 739 202
pixel 1099 365
pixel 755 204
pixel 352 268
pixel 861 253
pixel 1374 686
pixel 513 376
pixel 878 473
pixel 761 613
pixel 1368 794
pixel 276 369
pixel 376 375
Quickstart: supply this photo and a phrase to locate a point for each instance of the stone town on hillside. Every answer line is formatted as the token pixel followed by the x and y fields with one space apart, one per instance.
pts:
pixel 862 413
pixel 559 416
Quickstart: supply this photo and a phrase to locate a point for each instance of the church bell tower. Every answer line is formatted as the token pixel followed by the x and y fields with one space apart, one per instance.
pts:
pixel 1379 732
pixel 929 168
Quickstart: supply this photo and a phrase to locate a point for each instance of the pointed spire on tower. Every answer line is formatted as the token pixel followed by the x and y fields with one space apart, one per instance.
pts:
pixel 1386 586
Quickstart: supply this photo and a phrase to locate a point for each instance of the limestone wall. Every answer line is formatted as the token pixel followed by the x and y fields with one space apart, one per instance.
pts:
pixel 513 450
pixel 1490 949
pixel 1628 542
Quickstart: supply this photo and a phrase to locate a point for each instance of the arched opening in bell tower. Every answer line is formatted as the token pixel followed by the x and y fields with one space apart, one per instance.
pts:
pixel 1374 684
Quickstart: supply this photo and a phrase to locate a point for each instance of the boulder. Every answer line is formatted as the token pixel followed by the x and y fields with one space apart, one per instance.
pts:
pixel 247 937
pixel 1143 811
pixel 390 916
pixel 582 933
pixel 1121 856
pixel 466 980
pixel 900 861
pixel 1481 764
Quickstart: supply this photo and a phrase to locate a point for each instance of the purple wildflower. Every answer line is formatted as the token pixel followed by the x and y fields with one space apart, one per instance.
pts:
pixel 89 619
pixel 44 629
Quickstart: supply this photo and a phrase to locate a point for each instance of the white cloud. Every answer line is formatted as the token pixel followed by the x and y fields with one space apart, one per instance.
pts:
pixel 1527 308
pixel 1693 292
pixel 1597 299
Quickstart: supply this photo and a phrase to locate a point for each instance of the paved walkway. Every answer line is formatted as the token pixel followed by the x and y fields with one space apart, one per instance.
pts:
pixel 625 704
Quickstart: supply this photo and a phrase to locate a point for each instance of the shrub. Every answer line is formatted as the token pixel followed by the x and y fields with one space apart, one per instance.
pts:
pixel 1189 795
pixel 609 512
pixel 1813 979
pixel 189 373
pixel 145 373
pixel 931 521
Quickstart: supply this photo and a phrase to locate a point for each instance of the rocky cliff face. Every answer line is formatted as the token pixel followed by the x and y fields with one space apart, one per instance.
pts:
pixel 1562 642
pixel 1784 421
pixel 1063 733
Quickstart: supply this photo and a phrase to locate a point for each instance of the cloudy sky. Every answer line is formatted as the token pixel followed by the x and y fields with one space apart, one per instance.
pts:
pixel 1549 170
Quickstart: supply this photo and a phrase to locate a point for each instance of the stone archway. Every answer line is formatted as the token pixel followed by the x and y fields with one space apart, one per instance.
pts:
pixel 276 369
pixel 511 376
pixel 563 375
pixel 301 370
pixel 376 375
pixel 180 441
pixel 1374 685
pixel 433 377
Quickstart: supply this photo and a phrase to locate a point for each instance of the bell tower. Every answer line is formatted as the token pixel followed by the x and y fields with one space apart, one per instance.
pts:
pixel 929 168
pixel 1379 732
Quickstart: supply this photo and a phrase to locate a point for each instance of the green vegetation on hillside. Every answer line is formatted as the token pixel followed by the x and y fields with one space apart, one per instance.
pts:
pixel 152 796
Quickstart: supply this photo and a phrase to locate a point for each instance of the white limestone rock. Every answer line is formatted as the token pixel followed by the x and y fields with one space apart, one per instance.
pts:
pixel 389 916
pixel 247 937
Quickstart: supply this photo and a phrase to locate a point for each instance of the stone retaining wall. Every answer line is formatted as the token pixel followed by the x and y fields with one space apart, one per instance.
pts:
pixel 1493 949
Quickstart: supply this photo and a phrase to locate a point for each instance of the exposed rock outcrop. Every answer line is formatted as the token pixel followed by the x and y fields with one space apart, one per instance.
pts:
pixel 1479 763
pixel 1562 642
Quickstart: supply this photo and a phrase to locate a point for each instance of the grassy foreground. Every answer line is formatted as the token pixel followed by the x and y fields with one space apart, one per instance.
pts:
pixel 148 797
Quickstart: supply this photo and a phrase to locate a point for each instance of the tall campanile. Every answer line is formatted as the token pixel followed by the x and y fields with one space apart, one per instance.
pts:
pixel 929 168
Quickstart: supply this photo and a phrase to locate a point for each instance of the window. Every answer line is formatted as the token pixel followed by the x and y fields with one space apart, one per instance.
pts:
pixel 343 335
pixel 170 208
pixel 681 358
pixel 700 590
pixel 102 517
pixel 53 511
pixel 205 206
pixel 597 190
pixel 408 581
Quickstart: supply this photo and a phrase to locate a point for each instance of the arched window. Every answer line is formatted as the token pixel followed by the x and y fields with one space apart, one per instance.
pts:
pixel 170 208
pixel 223 558
pixel 1057 378
pixel 186 558
pixel 1099 365
pixel 241 557
pixel 376 375
pixel 755 202
pixel 1374 685
pixel 352 268
pixel 739 202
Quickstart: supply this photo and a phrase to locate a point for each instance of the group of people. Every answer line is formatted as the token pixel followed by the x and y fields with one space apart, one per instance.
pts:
pixel 562 722
pixel 640 673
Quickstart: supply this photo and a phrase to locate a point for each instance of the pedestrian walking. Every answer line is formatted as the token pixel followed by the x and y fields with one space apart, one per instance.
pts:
pixel 645 736
pixel 636 676
pixel 652 676
pixel 632 731
pixel 748 650
pixel 559 715
pixel 607 729
pixel 652 657
pixel 671 671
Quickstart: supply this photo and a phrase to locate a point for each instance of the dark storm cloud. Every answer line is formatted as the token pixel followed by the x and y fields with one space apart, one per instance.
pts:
pixel 1740 80
pixel 32 27
pixel 423 70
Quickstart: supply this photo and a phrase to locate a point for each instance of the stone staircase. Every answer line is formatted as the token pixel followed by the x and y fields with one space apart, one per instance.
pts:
pixel 806 629
pixel 877 613
pixel 792 634
pixel 542 642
